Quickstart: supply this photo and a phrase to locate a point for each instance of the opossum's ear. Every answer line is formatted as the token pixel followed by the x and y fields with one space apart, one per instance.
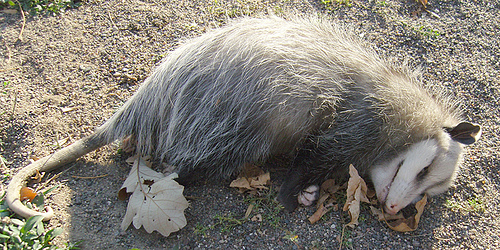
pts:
pixel 465 132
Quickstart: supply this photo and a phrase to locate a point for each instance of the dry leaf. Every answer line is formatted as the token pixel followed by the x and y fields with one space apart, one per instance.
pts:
pixel 249 211
pixel 356 193
pixel 257 218
pixel 251 178
pixel 325 201
pixel 156 202
pixel 411 223
pixel 322 210
pixel 65 110
pixel 400 223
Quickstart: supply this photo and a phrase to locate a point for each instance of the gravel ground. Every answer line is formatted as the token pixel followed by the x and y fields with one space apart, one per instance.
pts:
pixel 94 57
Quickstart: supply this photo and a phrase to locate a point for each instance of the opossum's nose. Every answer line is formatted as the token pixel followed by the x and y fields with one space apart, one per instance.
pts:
pixel 392 209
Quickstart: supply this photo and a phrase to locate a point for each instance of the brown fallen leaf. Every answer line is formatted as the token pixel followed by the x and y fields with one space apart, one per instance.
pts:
pixel 399 222
pixel 411 223
pixel 257 218
pixel 356 193
pixel 326 200
pixel 252 178
pixel 322 210
pixel 249 211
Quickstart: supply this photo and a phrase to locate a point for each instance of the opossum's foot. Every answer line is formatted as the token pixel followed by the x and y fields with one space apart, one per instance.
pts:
pixel 307 196
pixel 129 144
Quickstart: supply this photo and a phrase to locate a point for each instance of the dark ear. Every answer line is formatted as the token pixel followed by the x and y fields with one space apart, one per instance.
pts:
pixel 465 133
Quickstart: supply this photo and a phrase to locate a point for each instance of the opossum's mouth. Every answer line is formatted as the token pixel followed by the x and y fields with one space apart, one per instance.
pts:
pixel 382 196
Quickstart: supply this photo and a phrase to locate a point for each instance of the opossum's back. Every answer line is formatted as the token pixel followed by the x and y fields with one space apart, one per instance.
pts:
pixel 241 92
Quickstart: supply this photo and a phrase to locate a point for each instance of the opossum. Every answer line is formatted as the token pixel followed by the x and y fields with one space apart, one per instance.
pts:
pixel 305 87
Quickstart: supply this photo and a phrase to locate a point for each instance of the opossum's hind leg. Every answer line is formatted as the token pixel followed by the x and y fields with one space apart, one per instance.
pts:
pixel 289 190
pixel 58 159
pixel 293 192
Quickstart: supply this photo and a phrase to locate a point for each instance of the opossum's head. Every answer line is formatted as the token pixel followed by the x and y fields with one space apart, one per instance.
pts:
pixel 426 167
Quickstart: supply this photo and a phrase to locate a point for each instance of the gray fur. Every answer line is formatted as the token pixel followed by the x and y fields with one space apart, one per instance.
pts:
pixel 260 87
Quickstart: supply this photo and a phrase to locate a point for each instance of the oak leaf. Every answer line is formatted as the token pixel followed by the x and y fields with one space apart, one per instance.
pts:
pixel 156 202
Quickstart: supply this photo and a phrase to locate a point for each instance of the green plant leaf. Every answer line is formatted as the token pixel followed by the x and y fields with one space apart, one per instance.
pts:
pixel 38 201
pixel 30 223
pixel 50 189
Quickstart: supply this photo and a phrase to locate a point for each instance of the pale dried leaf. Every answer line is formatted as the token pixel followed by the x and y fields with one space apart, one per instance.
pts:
pixel 326 200
pixel 257 218
pixel 145 174
pixel 249 211
pixel 411 223
pixel 260 182
pixel 156 202
pixel 252 178
pixel 65 110
pixel 63 141
pixel 241 183
pixel 322 210
pixel 356 193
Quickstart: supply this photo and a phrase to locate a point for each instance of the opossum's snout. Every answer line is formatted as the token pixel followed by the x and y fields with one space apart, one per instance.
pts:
pixel 401 180
pixel 393 208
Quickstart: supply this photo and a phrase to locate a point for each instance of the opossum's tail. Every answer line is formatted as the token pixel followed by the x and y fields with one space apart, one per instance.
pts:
pixel 59 158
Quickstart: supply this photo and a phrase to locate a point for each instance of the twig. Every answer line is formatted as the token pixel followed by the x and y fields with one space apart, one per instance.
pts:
pixel 14 106
pixel 24 22
pixel 89 177
pixel 9 69
pixel 54 177
pixel 342 237
pixel 112 22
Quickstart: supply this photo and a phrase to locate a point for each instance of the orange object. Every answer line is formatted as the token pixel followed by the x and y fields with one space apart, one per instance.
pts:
pixel 27 194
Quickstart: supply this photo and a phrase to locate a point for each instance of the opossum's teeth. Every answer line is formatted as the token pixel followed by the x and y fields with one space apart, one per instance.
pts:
pixel 308 195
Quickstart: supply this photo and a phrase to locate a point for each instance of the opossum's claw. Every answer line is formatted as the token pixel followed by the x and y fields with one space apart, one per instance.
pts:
pixel 309 195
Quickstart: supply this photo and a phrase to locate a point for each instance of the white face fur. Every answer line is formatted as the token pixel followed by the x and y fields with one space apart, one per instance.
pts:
pixel 426 167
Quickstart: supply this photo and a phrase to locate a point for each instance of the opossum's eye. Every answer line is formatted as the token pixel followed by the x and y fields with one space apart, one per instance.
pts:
pixel 421 175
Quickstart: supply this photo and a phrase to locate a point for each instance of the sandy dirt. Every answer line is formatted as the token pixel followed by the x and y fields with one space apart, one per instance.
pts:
pixel 66 74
